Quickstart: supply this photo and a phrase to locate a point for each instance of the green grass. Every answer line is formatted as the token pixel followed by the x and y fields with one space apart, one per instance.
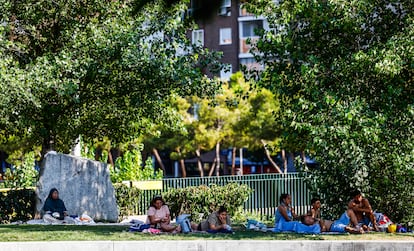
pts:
pixel 120 233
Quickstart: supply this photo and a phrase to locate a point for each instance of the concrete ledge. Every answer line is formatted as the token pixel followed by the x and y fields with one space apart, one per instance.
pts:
pixel 209 245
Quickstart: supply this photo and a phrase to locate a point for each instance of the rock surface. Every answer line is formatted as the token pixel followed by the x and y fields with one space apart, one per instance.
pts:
pixel 84 186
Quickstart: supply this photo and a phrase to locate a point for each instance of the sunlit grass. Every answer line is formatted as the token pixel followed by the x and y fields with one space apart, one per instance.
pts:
pixel 120 233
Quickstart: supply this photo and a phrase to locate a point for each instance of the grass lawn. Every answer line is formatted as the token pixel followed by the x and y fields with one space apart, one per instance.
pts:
pixel 120 233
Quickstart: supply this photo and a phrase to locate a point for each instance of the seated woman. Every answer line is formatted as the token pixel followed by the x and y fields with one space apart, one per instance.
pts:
pixel 159 216
pixel 217 222
pixel 285 216
pixel 55 210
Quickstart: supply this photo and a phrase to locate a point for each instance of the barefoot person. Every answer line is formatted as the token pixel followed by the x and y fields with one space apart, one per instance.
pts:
pixel 159 216
pixel 346 223
pixel 362 210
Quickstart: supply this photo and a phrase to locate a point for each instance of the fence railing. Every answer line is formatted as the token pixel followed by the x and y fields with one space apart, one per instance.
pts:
pixel 263 200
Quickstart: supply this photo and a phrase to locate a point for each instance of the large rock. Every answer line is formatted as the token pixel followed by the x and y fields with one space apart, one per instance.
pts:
pixel 84 185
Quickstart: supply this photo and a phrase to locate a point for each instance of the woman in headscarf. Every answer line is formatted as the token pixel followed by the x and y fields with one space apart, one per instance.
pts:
pixel 54 208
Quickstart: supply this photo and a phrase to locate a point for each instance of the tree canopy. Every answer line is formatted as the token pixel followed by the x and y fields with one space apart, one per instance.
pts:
pixel 93 68
pixel 344 73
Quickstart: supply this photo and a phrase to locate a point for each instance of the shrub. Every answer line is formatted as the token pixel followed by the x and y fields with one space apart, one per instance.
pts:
pixel 202 200
pixel 17 205
pixel 127 199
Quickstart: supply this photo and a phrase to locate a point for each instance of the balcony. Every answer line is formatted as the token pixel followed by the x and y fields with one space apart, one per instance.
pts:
pixel 244 47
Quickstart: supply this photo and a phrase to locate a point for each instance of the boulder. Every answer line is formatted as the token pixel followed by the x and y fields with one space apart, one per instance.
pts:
pixel 84 185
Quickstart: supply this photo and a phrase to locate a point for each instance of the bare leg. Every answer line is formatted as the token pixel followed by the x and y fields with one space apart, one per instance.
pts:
pixel 373 221
pixel 170 228
pixel 194 226
pixel 354 230
pixel 325 225
pixel 352 217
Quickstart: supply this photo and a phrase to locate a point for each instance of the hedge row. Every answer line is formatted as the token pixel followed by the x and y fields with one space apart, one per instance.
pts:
pixel 20 205
pixel 202 200
pixel 17 204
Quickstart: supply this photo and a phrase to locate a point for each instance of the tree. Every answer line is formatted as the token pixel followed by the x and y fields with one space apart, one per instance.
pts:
pixel 258 125
pixel 344 73
pixel 94 68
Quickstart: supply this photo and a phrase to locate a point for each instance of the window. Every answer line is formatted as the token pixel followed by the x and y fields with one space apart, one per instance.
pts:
pixel 226 72
pixel 198 37
pixel 226 3
pixel 225 36
pixel 251 64
pixel 225 8
pixel 250 28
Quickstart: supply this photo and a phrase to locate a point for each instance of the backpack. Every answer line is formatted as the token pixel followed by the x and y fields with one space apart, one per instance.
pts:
pixel 184 222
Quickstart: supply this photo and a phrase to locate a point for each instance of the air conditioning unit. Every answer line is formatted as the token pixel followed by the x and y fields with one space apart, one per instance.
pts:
pixel 224 11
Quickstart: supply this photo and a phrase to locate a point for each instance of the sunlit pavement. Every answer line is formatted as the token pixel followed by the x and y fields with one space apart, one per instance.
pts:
pixel 208 245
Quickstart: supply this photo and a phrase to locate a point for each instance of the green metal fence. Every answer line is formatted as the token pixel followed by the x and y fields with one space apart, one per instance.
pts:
pixel 266 190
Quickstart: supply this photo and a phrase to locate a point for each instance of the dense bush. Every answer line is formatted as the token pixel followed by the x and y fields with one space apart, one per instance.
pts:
pixel 202 200
pixel 127 199
pixel 23 174
pixel 17 205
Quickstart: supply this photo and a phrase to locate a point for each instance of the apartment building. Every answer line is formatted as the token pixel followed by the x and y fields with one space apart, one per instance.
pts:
pixel 228 31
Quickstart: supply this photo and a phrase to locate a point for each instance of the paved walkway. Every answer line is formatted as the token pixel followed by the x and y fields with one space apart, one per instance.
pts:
pixel 209 245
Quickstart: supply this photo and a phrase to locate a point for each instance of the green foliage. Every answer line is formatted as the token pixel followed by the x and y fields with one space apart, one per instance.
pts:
pixel 23 173
pixel 344 75
pixel 129 166
pixel 95 68
pixel 201 201
pixel 17 205
pixel 127 199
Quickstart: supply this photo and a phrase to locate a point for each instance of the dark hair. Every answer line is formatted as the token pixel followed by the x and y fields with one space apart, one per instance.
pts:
pixel 51 192
pixel 355 193
pixel 156 197
pixel 303 217
pixel 313 200
pixel 283 196
pixel 222 209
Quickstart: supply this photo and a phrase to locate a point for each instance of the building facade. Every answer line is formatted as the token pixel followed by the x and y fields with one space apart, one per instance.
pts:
pixel 229 30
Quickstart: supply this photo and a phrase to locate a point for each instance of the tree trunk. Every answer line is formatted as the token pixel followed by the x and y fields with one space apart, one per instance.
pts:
pixel 182 164
pixel 210 173
pixel 48 144
pixel 183 171
pixel 284 159
pixel 241 161
pixel 199 164
pixel 270 157
pixel 218 159
pixel 303 160
pixel 110 159
pixel 98 154
pixel 233 161
pixel 158 158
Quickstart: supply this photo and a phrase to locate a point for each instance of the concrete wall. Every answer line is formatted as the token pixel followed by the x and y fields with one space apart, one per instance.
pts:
pixel 209 245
